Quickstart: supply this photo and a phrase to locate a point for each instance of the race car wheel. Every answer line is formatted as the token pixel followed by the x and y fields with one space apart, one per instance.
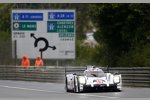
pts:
pixel 66 85
pixel 76 85
pixel 116 89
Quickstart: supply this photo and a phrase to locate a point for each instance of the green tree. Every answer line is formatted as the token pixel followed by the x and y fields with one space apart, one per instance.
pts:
pixel 138 57
pixel 121 27
pixel 5 11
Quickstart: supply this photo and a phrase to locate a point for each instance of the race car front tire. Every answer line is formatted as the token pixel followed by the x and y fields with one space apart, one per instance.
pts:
pixel 76 85
pixel 66 85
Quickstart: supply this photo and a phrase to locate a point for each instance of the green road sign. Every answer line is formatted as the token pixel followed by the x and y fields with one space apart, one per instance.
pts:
pixel 24 26
pixel 60 26
pixel 45 32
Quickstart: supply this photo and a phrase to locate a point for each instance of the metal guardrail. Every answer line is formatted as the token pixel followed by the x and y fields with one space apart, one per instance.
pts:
pixel 134 77
pixel 41 74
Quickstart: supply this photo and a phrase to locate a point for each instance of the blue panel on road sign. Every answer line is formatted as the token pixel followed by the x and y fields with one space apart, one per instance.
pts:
pixel 28 16
pixel 60 15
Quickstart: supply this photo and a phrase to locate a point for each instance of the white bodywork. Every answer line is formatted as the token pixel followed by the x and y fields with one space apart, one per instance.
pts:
pixel 93 78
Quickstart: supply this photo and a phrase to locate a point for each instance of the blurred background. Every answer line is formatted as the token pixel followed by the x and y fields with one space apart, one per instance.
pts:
pixel 106 34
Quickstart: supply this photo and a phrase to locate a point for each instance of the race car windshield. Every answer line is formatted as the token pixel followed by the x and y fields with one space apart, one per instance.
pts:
pixel 94 74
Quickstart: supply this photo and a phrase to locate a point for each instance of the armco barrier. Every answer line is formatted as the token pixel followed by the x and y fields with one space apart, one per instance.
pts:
pixel 134 76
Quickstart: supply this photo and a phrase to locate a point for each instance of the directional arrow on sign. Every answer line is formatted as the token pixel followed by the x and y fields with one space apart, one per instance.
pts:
pixel 32 35
pixel 41 39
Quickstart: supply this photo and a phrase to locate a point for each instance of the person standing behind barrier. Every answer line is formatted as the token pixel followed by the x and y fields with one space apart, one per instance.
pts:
pixel 25 61
pixel 39 61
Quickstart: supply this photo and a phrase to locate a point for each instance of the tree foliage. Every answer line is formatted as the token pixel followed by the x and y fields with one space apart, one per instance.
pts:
pixel 5 10
pixel 121 27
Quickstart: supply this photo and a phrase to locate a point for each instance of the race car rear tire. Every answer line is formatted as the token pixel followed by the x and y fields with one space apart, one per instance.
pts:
pixel 116 89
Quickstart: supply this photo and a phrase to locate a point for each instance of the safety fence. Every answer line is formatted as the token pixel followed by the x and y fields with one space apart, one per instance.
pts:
pixel 135 76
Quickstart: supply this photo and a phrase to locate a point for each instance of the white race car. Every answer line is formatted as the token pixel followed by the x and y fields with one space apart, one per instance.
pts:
pixel 93 78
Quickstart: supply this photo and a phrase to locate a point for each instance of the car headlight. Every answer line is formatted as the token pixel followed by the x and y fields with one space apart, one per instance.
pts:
pixel 116 79
pixel 81 80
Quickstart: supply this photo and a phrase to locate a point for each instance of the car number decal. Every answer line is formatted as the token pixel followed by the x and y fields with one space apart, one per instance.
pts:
pixel 98 81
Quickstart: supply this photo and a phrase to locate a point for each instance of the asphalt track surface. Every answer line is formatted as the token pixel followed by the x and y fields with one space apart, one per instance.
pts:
pixel 25 89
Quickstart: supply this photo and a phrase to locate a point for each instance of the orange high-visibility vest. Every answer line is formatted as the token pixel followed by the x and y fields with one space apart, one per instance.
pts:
pixel 25 61
pixel 39 62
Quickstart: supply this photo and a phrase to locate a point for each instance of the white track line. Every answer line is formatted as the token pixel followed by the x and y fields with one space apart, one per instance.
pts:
pixel 40 90
pixel 21 88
